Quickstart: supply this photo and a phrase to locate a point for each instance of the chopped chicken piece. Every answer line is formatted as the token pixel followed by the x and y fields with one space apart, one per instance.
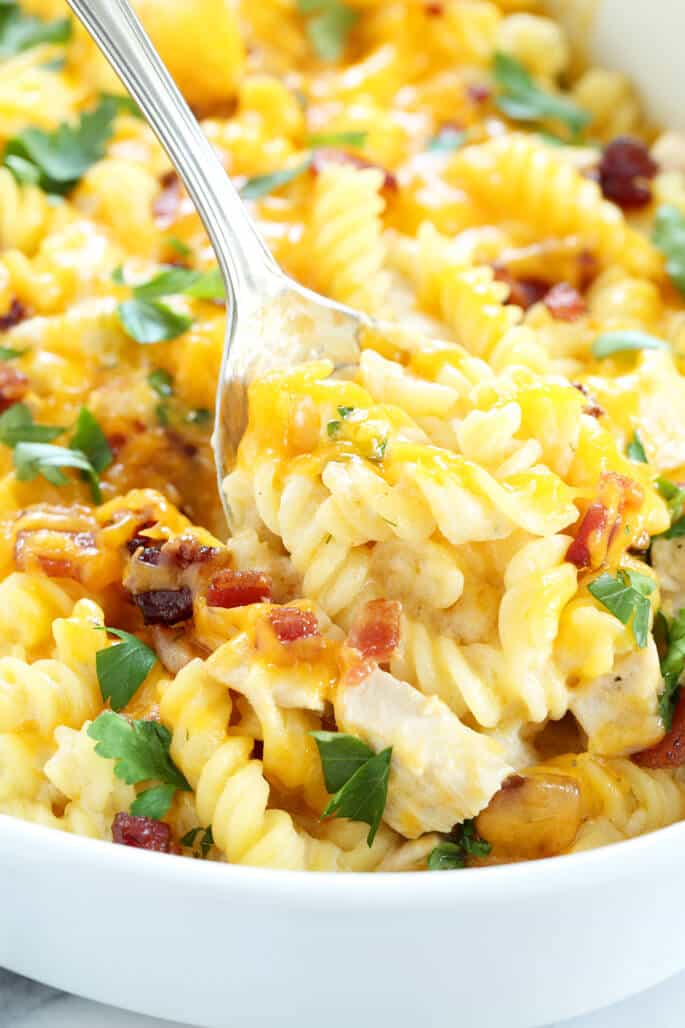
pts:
pixel 619 710
pixel 441 773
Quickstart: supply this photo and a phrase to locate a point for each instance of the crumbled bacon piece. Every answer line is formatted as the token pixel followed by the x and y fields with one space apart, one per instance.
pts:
pixel 670 752
pixel 625 171
pixel 523 292
pixel 166 205
pixel 15 315
pixel 329 155
pixel 478 92
pixel 186 551
pixel 376 630
pixel 58 553
pixel 564 302
pixel 592 408
pixel 434 10
pixel 291 623
pixel 143 833
pixel 238 589
pixel 602 527
pixel 13 386
pixel 165 606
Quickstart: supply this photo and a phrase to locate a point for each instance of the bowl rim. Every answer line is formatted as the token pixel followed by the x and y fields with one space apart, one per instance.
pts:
pixel 639 856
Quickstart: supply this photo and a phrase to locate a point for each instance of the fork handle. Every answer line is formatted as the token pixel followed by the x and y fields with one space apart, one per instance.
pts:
pixel 243 256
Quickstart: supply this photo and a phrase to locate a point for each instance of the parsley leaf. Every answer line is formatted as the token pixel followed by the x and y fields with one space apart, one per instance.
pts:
pixel 178 246
pixel 154 802
pixel 122 668
pixel 675 499
pixel 522 99
pixel 203 285
pixel 199 416
pixel 20 31
pixel 341 755
pixel 8 353
pixel 359 777
pixel 141 752
pixel 162 382
pixel 17 426
pixel 33 459
pixel 669 237
pixel 260 185
pixel 626 597
pixel 635 450
pixel 332 428
pixel 672 667
pixel 64 156
pixel 329 27
pixel 151 322
pixel 206 840
pixel 338 139
pixel 91 440
pixel 125 104
pixel 450 855
pixel 609 343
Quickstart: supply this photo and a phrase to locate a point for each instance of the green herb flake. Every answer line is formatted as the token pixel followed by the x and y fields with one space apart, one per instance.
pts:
pixel 199 416
pixel 669 237
pixel 204 838
pixel 610 343
pixel 91 440
pixel 672 666
pixel 64 156
pixel 332 428
pixel 161 382
pixel 8 353
pixel 635 449
pixel 446 856
pixel 178 246
pixel 626 596
pixel 17 426
pixel 20 31
pixel 202 285
pixel 141 752
pixel 357 776
pixel 378 448
pixel 329 24
pixel 521 99
pixel 151 322
pixel 453 854
pixel 447 140
pixel 354 139
pixel 261 185
pixel 124 104
pixel 33 459
pixel 122 668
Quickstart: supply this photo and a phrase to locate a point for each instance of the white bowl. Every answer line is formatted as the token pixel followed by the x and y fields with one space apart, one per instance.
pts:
pixel 227 947
pixel 507 947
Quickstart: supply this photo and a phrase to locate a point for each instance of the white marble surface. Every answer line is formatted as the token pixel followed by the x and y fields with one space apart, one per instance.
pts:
pixel 26 1004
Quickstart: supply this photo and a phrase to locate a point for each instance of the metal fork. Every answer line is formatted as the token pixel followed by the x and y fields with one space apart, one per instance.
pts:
pixel 271 320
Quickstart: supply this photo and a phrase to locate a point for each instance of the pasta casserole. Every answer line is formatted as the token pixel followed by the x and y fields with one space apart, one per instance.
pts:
pixel 446 627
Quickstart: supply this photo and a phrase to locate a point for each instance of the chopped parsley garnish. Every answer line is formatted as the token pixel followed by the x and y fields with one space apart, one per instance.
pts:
pixel 17 426
pixel 450 855
pixel 151 322
pixel 202 285
pixel 521 99
pixel 669 237
pixel 672 665
pixel 33 459
pixel 357 776
pixel 347 412
pixel 125 104
pixel 675 499
pixel 8 353
pixel 635 449
pixel 20 31
pixel 328 26
pixel 61 158
pixel 332 428
pixel 141 752
pixel 609 343
pixel 91 440
pixel 199 416
pixel 447 140
pixel 204 838
pixel 162 382
pixel 626 596
pixel 178 246
pixel 261 185
pixel 355 139
pixel 122 668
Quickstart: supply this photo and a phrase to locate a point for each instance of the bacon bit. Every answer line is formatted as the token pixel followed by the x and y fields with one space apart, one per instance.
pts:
pixel 588 269
pixel 593 409
pixel 565 303
pixel 238 589
pixel 166 205
pixel 165 606
pixel 670 752
pixel 143 833
pixel 329 155
pixel 59 554
pixel 434 10
pixel 625 171
pixel 523 292
pixel 15 315
pixel 291 624
pixel 376 630
pixel 186 551
pixel 600 527
pixel 478 93
pixel 13 386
